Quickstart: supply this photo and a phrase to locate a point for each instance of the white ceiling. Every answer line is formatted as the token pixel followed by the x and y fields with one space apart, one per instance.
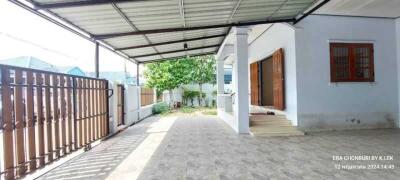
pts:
pixel 371 8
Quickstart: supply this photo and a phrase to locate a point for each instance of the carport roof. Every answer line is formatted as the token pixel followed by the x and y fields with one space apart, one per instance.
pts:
pixel 148 30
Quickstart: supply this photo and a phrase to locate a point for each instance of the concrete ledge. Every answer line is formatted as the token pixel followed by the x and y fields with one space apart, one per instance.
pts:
pixel 145 111
pixel 228 118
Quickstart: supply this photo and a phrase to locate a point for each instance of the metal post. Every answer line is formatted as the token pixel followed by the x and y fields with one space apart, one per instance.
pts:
pixel 75 109
pixel 96 59
pixel 107 98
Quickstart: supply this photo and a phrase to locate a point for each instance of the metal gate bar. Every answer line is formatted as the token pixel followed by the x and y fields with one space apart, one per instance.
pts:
pixel 47 115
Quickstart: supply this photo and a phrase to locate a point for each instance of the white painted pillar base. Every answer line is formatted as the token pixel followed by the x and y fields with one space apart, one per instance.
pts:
pixel 398 66
pixel 241 79
pixel 113 124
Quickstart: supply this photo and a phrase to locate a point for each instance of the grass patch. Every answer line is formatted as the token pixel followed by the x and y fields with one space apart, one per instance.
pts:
pixel 210 112
pixel 187 109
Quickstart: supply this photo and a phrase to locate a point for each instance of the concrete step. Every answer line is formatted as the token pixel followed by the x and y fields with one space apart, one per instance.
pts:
pixel 267 118
pixel 257 115
pixel 270 123
pixel 276 134
pixel 276 131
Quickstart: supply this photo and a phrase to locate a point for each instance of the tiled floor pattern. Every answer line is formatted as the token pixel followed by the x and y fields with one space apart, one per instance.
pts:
pixel 204 147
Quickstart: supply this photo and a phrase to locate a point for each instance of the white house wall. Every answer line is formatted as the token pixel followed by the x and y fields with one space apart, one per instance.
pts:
pixel 325 105
pixel 280 36
pixel 132 108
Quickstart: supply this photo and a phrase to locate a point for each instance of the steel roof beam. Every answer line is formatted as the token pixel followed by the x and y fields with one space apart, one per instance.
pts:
pixel 170 42
pixel 154 31
pixel 176 51
pixel 79 3
pixel 130 23
pixel 311 11
pixel 177 57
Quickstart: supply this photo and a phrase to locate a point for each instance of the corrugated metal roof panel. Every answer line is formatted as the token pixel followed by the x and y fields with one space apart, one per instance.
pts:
pixel 126 41
pixel 170 47
pixel 88 18
pixel 56 1
pixel 149 58
pixel 108 18
pixel 140 51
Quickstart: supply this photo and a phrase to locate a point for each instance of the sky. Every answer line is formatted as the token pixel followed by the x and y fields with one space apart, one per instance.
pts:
pixel 23 33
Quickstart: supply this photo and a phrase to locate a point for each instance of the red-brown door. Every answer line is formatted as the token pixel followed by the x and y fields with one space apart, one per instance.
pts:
pixel 254 84
pixel 278 80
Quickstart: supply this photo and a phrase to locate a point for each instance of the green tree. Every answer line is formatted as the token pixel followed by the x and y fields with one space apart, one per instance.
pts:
pixel 168 75
pixel 203 72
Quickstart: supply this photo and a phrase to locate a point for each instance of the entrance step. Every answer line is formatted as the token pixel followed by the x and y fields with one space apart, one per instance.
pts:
pixel 268 118
pixel 272 125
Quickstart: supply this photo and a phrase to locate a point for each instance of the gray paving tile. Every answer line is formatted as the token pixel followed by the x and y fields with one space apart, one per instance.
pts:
pixel 204 147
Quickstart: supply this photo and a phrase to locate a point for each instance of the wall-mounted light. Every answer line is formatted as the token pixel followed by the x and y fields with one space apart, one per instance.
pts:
pixel 185 46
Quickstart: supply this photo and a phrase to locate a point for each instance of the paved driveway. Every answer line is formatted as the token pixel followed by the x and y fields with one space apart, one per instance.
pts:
pixel 204 147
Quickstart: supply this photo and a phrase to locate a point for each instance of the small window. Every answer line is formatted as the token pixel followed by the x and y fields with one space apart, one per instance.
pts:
pixel 352 62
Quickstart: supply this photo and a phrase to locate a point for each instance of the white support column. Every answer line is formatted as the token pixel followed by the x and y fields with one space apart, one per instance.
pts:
pixel 113 123
pixel 155 96
pixel 241 79
pixel 398 67
pixel 220 83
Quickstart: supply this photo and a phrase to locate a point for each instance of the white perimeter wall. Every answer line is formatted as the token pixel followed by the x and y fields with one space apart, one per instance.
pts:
pixel 208 89
pixel 133 111
pixel 325 105
pixel 280 36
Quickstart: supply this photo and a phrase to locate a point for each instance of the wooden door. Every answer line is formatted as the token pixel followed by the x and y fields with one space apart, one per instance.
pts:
pixel 278 80
pixel 254 84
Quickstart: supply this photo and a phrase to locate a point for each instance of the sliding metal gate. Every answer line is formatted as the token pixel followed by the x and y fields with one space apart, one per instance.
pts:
pixel 46 116
pixel 120 104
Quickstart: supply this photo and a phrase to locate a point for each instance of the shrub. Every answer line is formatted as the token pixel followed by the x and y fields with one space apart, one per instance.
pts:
pixel 160 108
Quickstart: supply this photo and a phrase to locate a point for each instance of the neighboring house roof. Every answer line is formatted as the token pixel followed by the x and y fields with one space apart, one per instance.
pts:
pixel 73 70
pixel 35 63
pixel 116 76
pixel 29 62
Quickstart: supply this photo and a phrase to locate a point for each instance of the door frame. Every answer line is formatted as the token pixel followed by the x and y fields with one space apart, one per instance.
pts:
pixel 255 99
pixel 278 77
pixel 278 102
